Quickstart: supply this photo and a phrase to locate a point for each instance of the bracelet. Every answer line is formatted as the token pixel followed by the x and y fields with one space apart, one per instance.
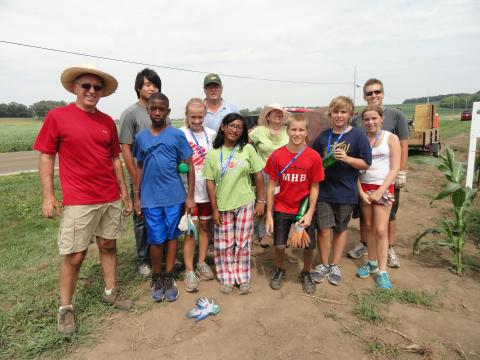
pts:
pixel 261 201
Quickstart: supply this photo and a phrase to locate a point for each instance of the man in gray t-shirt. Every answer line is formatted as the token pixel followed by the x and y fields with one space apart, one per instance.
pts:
pixel 134 119
pixel 395 122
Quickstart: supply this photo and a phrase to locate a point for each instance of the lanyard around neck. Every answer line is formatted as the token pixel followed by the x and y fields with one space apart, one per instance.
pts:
pixel 224 167
pixel 198 145
pixel 291 161
pixel 379 133
pixel 336 142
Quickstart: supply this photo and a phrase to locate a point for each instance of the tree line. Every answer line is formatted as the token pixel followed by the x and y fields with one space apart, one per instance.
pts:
pixel 449 101
pixel 38 109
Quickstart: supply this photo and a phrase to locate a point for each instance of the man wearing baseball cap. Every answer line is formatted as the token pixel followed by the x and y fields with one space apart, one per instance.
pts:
pixel 92 183
pixel 217 108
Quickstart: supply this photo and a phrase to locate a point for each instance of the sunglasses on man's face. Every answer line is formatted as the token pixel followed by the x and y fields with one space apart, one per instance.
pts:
pixel 88 86
pixel 376 92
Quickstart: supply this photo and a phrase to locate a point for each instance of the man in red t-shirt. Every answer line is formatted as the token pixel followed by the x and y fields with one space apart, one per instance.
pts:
pixel 295 171
pixel 92 181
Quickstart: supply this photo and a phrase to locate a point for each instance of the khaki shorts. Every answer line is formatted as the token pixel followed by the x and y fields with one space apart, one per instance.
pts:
pixel 81 224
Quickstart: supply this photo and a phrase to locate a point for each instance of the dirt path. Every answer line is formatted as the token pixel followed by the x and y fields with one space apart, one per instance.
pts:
pixel 281 324
pixel 20 161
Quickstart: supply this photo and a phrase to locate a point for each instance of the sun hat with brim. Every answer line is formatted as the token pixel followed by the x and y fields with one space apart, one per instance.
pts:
pixel 262 119
pixel 71 74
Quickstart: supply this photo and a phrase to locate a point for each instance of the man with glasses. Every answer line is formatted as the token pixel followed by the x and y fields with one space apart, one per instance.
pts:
pixel 217 108
pixel 92 182
pixel 134 119
pixel 395 122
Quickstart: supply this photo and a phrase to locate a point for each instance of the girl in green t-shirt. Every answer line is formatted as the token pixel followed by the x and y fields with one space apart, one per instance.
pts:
pixel 227 171
pixel 268 136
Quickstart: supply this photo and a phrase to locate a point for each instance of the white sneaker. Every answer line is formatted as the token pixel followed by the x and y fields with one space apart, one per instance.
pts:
pixel 144 270
pixel 358 251
pixel 393 260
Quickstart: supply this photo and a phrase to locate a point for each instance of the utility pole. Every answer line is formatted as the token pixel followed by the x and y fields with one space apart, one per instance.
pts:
pixel 354 83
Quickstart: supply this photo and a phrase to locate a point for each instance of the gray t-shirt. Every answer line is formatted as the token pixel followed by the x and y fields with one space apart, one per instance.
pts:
pixel 393 120
pixel 134 119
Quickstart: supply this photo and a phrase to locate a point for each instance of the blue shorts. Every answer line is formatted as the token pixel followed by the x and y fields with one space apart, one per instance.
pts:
pixel 162 223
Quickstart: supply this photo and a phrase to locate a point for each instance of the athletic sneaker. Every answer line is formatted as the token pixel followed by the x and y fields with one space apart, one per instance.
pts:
pixel 358 251
pixel 334 275
pixel 171 289
pixel 392 260
pixel 116 300
pixel 276 281
pixel 367 269
pixel 158 287
pixel 226 288
pixel 308 284
pixel 383 281
pixel 191 281
pixel 245 288
pixel 204 272
pixel 66 321
pixel 318 274
pixel 144 270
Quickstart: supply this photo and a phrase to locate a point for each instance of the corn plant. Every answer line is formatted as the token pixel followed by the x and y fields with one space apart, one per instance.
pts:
pixel 451 233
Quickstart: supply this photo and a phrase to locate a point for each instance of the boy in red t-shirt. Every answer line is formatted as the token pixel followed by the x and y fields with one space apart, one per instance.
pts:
pixel 295 171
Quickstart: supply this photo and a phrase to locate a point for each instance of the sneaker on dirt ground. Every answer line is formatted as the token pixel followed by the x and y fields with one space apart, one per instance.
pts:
pixel 319 273
pixel 144 270
pixel 204 271
pixel 383 281
pixel 191 281
pixel 276 281
pixel 393 261
pixel 366 269
pixel 66 321
pixel 245 288
pixel 171 289
pixel 158 288
pixel 308 284
pixel 334 275
pixel 116 300
pixel 358 251
pixel 226 288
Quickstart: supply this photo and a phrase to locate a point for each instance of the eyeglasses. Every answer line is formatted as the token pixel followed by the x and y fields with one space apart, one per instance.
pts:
pixel 88 86
pixel 232 126
pixel 376 92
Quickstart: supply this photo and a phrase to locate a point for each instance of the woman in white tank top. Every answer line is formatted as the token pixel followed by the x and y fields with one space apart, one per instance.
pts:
pixel 375 187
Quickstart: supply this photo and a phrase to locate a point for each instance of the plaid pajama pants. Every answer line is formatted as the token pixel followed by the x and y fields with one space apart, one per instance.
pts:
pixel 232 244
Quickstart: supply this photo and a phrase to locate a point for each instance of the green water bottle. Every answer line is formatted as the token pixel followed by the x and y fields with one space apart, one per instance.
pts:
pixel 328 160
pixel 182 168
pixel 302 210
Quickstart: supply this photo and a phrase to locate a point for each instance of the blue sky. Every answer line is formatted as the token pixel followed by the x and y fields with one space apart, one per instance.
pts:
pixel 414 47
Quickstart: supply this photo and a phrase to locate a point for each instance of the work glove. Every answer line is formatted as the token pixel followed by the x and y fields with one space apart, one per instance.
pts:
pixel 401 179
pixel 204 308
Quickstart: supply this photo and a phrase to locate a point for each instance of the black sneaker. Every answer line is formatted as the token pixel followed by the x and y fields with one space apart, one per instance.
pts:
pixel 171 289
pixel 308 284
pixel 276 281
pixel 157 287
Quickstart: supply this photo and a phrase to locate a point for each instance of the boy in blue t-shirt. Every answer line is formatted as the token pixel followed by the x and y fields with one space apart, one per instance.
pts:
pixel 159 193
pixel 338 192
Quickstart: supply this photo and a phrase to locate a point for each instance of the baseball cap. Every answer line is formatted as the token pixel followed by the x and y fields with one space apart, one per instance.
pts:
pixel 212 79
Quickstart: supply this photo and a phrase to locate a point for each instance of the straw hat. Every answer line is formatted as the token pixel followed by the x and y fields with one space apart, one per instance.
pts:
pixel 71 74
pixel 262 119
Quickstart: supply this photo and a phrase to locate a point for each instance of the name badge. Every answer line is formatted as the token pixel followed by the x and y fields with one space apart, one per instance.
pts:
pixel 277 190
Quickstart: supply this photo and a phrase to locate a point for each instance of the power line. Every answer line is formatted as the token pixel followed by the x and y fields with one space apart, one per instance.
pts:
pixel 169 67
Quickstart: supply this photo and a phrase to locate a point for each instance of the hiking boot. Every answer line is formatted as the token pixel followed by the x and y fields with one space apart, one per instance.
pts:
pixel 191 281
pixel 204 272
pixel 226 288
pixel 276 281
pixel 171 289
pixel 245 288
pixel 392 260
pixel 366 269
pixel 266 241
pixel 383 281
pixel 358 251
pixel 116 300
pixel 334 275
pixel 158 287
pixel 308 284
pixel 66 321
pixel 318 274
pixel 144 270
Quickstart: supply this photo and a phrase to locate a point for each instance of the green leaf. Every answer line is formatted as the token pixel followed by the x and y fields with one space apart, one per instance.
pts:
pixel 435 230
pixel 458 198
pixel 448 188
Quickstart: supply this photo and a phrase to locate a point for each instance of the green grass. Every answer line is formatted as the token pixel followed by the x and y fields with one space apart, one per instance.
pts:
pixel 366 304
pixel 18 134
pixel 29 263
